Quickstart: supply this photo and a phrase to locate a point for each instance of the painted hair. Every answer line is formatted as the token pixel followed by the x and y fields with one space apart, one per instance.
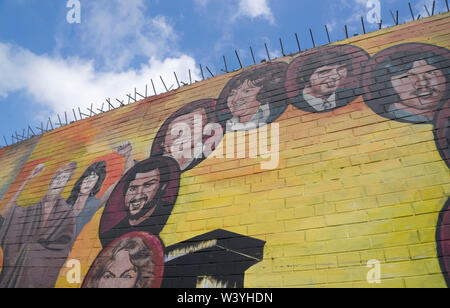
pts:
pixel 145 253
pixel 270 77
pixel 99 168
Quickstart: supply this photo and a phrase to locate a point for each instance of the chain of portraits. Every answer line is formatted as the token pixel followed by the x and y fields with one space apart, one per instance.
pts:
pixel 407 83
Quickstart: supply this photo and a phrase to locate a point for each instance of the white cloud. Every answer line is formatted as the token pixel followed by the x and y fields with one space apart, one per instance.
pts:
pixel 63 84
pixel 120 47
pixel 118 31
pixel 256 9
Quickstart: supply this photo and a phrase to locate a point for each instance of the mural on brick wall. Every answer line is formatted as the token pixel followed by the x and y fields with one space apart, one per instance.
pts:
pixel 127 202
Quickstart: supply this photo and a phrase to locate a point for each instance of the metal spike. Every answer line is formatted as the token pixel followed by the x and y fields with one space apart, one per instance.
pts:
pixel 298 43
pixel 282 48
pixel 201 69
pixel 312 38
pixel 426 8
pixel 239 59
pixel 363 25
pixel 328 34
pixel 411 10
pixel 253 55
pixel 209 71
pixel 267 52
pixel 153 85
pixel 225 63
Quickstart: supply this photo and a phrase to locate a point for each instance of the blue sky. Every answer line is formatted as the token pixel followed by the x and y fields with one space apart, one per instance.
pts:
pixel 50 66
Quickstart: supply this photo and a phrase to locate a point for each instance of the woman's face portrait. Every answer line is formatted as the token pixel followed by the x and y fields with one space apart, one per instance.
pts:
pixel 422 87
pixel 89 183
pixel 120 273
pixel 243 102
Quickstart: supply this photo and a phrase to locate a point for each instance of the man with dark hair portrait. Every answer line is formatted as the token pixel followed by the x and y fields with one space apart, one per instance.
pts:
pixel 253 98
pixel 325 79
pixel 408 83
pixel 142 201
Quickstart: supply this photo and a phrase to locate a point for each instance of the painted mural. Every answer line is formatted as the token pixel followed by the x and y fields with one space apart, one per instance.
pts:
pixel 142 198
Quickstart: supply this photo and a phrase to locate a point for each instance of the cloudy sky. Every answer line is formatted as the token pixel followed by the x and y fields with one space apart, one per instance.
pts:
pixel 55 58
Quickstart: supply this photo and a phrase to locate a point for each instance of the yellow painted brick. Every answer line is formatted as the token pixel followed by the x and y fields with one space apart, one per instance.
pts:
pixel 285 192
pixel 325 234
pixel 324 208
pixel 396 283
pixel 426 282
pixel 427 235
pixel 432 193
pixel 372 254
pixel 369 228
pixel 346 218
pixel 403 269
pixel 286 237
pixel 400 210
pixel 429 206
pixel 305 223
pixel 304 278
pixel 265 228
pixel 350 274
pixel 397 254
pixel 326 261
pixel 349 259
pixel 418 222
pixel 357 204
pixel 423 251
pixel 395 239
pixel 294 264
pixel 348 245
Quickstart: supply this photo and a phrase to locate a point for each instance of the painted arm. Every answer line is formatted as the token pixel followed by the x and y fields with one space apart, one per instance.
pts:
pixel 125 150
pixel 11 203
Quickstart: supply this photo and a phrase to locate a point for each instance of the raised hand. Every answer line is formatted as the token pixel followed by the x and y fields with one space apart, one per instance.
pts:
pixel 125 149
pixel 37 171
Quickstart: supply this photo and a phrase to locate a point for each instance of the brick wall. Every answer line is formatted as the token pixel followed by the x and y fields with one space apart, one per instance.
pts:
pixel 360 177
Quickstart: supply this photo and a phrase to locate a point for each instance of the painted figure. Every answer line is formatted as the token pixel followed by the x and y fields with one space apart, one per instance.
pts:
pixel 253 98
pixel 36 240
pixel 142 200
pixel 443 241
pixel 325 79
pixel 135 260
pixel 186 133
pixel 408 82
pixel 83 196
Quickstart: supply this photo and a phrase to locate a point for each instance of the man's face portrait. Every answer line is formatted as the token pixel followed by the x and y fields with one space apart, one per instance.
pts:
pixel 243 102
pixel 422 87
pixel 174 143
pixel 326 80
pixel 141 192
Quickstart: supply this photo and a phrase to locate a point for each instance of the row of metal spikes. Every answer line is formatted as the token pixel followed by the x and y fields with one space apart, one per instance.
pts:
pixel 79 115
